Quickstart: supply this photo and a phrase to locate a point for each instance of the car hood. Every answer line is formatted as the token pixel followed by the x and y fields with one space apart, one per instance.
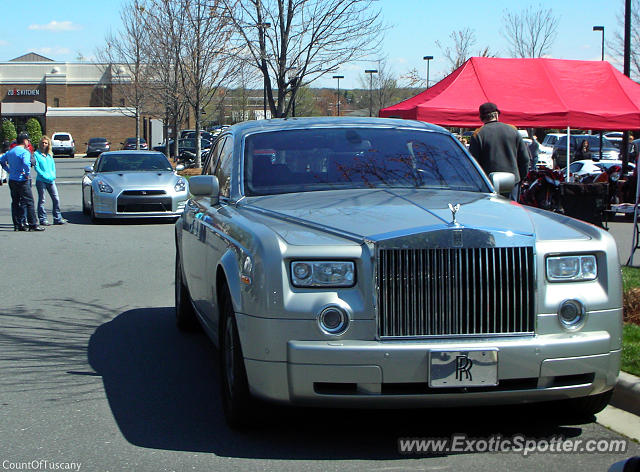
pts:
pixel 384 214
pixel 146 179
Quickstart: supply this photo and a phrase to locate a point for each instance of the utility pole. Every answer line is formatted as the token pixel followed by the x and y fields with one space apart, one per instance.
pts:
pixel 371 72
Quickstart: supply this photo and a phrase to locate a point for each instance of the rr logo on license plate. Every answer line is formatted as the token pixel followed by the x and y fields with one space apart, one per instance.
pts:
pixel 472 368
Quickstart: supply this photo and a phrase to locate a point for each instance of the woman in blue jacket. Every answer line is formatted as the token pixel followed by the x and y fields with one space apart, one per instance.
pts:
pixel 46 180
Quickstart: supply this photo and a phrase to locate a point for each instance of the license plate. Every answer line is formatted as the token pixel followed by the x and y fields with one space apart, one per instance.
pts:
pixel 472 368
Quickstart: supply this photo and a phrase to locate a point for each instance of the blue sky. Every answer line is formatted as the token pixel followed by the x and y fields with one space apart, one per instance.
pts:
pixel 63 29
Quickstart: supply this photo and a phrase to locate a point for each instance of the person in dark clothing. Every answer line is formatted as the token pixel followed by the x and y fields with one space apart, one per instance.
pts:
pixel 498 147
pixel 17 162
pixel 534 149
pixel 583 152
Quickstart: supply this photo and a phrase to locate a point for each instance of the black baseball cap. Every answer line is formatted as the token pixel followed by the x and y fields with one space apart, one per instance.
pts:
pixel 487 108
pixel 22 137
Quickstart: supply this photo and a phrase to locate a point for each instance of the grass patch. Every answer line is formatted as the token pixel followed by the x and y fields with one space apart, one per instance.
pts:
pixel 631 349
pixel 630 278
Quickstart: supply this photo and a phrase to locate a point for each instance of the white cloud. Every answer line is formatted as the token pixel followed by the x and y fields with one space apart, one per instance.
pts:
pixel 4 43
pixel 56 26
pixel 54 50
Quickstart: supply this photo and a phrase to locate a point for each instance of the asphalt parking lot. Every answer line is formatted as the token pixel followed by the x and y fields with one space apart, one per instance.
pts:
pixel 93 371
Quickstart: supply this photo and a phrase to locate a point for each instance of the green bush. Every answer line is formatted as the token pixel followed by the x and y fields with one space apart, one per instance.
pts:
pixel 8 131
pixel 34 130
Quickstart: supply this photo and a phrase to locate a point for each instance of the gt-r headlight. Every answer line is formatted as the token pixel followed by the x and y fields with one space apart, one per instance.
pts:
pixel 181 185
pixel 323 273
pixel 572 268
pixel 104 187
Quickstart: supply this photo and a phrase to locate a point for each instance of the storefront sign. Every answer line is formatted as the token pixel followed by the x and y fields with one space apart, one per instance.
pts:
pixel 17 92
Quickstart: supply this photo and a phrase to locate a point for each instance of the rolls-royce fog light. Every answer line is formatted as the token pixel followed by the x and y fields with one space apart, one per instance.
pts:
pixel 571 314
pixel 333 320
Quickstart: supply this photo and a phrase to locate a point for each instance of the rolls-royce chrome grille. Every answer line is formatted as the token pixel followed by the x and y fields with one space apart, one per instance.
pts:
pixel 444 292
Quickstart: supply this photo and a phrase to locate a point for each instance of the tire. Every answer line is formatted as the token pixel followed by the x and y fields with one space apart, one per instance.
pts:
pixel 185 315
pixel 237 403
pixel 94 218
pixel 85 208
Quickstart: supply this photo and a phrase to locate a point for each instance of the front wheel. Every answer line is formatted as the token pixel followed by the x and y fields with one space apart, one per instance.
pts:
pixel 85 208
pixel 236 398
pixel 94 218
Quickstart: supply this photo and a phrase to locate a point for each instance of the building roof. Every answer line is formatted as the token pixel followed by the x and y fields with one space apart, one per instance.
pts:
pixel 31 57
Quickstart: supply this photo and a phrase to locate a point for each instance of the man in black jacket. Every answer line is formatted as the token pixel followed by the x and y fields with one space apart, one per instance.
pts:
pixel 498 147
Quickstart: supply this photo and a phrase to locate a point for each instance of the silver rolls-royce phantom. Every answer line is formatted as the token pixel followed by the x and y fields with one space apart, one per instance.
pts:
pixel 371 262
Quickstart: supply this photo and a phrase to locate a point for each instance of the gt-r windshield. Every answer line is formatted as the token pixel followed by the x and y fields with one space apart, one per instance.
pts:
pixel 138 162
pixel 345 158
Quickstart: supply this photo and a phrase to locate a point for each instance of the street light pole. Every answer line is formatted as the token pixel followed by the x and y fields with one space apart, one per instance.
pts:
pixel 371 72
pixel 600 28
pixel 428 59
pixel 261 27
pixel 338 77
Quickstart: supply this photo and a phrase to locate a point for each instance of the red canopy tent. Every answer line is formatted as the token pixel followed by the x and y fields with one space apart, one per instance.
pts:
pixel 536 93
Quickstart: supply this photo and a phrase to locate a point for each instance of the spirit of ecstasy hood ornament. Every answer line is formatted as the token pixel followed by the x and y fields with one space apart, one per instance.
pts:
pixel 454 210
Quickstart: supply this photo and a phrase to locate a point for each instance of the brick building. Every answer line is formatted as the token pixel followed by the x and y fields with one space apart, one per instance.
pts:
pixel 79 98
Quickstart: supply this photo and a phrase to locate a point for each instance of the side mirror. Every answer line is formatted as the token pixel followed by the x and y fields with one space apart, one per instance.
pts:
pixel 179 168
pixel 503 182
pixel 88 169
pixel 205 186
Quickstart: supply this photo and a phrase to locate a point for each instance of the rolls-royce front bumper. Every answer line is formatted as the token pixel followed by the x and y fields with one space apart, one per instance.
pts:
pixel 395 373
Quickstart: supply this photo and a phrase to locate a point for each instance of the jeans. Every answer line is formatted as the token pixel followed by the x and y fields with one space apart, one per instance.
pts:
pixel 53 193
pixel 21 203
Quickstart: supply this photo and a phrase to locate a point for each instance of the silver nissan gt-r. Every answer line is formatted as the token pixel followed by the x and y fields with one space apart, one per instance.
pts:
pixel 133 184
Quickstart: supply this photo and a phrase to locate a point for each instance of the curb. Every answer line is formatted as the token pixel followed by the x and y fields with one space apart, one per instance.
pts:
pixel 626 395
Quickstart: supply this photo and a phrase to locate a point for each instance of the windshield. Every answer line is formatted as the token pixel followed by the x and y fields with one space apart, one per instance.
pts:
pixel 61 137
pixel 139 162
pixel 346 158
pixel 97 140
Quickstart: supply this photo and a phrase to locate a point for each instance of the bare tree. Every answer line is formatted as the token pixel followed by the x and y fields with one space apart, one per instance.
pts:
pixel 384 85
pixel 166 30
pixel 460 51
pixel 207 62
pixel 124 56
pixel 530 32
pixel 617 44
pixel 293 42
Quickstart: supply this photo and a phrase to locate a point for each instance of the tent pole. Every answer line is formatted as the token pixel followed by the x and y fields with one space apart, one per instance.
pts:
pixel 634 238
pixel 568 150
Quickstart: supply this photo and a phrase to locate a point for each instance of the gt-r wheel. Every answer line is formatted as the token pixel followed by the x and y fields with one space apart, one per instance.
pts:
pixel 236 399
pixel 85 208
pixel 94 218
pixel 185 315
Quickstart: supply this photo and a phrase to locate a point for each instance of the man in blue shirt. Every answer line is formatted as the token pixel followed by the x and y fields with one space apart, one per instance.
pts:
pixel 17 162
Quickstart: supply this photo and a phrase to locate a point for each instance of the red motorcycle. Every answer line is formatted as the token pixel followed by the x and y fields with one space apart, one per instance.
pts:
pixel 541 189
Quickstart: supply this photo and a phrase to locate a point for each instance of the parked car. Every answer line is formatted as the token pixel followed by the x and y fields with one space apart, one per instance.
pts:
pixel 62 144
pixel 95 146
pixel 368 261
pixel 546 146
pixel 130 144
pixel 203 134
pixel 186 144
pixel 614 137
pixel 609 151
pixel 132 184
pixel 582 168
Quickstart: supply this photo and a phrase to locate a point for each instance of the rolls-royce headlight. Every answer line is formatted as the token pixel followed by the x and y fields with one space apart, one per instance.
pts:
pixel 569 268
pixel 323 273
pixel 104 187
pixel 181 185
